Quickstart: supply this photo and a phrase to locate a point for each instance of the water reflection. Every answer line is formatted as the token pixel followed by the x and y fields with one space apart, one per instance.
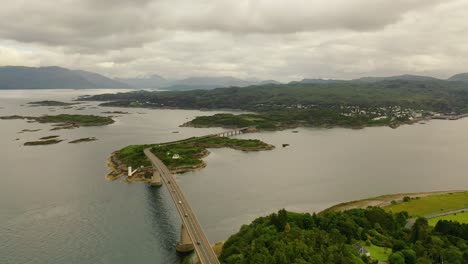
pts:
pixel 165 223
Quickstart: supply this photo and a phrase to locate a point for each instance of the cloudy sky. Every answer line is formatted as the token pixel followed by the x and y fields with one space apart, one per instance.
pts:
pixel 268 39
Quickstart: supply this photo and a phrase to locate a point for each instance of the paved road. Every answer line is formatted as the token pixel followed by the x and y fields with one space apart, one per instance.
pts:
pixel 411 221
pixel 204 250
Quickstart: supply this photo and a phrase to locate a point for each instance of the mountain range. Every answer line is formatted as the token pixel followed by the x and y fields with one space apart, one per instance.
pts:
pixel 19 77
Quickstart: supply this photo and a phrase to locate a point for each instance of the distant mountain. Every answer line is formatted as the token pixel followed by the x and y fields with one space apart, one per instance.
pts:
pixel 191 83
pixel 265 82
pixel 405 77
pixel 461 77
pixel 319 81
pixel 213 82
pixel 152 81
pixel 18 77
pixel 100 81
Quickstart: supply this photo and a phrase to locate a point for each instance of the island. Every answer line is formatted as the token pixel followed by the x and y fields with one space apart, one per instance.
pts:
pixel 28 130
pixel 116 112
pixel 43 142
pixel 290 119
pixel 50 103
pixel 359 235
pixel 179 156
pixel 49 137
pixel 65 121
pixel 80 140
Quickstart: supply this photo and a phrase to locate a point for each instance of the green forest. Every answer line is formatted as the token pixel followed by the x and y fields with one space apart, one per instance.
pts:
pixel 335 237
pixel 433 95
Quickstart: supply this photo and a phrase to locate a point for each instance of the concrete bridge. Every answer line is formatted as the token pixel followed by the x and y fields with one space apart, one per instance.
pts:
pixel 192 236
pixel 236 131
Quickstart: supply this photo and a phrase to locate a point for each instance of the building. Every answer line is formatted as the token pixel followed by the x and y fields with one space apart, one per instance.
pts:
pixel 362 250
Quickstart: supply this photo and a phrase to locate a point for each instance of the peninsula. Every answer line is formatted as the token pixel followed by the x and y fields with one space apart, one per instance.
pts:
pixel 359 234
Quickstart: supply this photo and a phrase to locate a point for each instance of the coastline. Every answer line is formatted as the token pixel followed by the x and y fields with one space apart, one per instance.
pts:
pixel 381 201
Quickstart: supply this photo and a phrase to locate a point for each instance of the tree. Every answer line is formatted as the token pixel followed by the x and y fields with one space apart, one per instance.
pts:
pixel 397 258
pixel 409 255
pixel 420 229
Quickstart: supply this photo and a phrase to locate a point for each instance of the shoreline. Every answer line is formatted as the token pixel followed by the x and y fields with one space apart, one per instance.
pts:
pixel 382 200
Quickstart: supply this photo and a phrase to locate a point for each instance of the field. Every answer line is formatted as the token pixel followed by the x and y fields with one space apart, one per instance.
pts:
pixel 428 205
pixel 460 217
pixel 378 253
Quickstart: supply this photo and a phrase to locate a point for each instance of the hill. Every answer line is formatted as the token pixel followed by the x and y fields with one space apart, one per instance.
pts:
pixel 461 77
pixel 429 95
pixel 406 77
pixel 18 77
pixel 151 81
pixel 191 83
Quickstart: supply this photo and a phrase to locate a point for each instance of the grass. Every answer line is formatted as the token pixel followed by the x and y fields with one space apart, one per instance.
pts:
pixel 378 253
pixel 431 204
pixel 459 217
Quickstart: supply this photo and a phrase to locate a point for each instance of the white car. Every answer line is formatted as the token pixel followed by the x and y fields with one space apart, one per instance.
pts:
pixel 180 202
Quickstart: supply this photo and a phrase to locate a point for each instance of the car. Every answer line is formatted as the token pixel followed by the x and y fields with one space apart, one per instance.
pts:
pixel 186 215
pixel 180 202
pixel 198 242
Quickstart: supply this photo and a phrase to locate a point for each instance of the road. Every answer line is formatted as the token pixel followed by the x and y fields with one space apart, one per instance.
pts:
pixel 203 249
pixel 411 221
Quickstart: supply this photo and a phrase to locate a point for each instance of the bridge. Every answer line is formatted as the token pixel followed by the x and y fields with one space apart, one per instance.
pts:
pixel 192 236
pixel 235 132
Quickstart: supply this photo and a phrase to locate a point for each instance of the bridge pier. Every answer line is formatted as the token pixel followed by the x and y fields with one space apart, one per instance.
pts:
pixel 185 244
pixel 156 179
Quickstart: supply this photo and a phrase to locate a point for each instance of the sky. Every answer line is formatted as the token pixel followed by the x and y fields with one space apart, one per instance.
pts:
pixel 283 40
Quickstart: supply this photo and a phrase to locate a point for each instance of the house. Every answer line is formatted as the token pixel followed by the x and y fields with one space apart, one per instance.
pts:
pixel 362 250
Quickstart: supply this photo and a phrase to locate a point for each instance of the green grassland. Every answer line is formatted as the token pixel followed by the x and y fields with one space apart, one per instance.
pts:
pixel 378 253
pixel 432 204
pixel 459 217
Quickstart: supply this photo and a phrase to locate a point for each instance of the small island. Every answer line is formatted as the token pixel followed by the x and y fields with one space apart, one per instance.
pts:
pixel 180 156
pixel 116 112
pixel 28 130
pixel 49 137
pixel 88 139
pixel 50 103
pixel 43 142
pixel 65 121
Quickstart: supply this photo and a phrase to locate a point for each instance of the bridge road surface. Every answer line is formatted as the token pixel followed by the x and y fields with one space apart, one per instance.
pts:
pixel 204 250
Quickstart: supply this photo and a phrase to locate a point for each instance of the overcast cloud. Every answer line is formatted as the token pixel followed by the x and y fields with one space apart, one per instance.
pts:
pixel 269 39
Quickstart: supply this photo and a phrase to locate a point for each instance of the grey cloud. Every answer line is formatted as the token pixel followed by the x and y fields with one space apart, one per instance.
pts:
pixel 284 40
pixel 99 25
